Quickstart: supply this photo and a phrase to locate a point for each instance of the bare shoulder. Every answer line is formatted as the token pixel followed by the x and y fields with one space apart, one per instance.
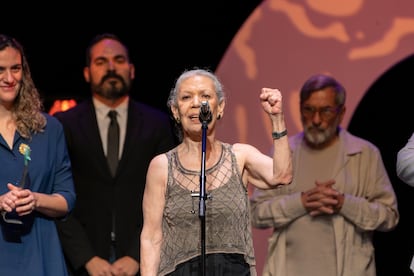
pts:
pixel 159 162
pixel 157 173
pixel 242 150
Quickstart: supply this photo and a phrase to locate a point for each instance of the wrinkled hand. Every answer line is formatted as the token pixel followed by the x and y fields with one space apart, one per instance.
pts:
pixel 125 266
pixel 98 267
pixel 323 199
pixel 271 100
pixel 20 200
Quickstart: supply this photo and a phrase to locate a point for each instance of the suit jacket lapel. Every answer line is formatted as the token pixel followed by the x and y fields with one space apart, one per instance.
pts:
pixel 133 127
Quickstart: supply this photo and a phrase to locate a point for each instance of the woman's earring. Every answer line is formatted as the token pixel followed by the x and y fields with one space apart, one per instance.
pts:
pixel 177 120
pixel 218 117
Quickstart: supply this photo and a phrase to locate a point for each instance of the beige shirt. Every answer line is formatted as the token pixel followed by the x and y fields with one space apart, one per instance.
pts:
pixel 315 246
pixel 370 204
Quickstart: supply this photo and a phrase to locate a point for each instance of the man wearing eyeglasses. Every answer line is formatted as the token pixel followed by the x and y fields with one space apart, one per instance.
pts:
pixel 324 220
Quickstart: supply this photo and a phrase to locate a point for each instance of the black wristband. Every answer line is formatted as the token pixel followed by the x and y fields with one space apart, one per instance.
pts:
pixel 278 135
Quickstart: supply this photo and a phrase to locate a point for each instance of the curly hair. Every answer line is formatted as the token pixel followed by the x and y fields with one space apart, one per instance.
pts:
pixel 27 108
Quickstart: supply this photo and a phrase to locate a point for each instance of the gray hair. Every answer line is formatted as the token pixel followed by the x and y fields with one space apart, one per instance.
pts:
pixel 172 99
pixel 320 82
pixel 218 87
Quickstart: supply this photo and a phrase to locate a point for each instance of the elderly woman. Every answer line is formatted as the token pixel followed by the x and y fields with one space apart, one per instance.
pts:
pixel 170 241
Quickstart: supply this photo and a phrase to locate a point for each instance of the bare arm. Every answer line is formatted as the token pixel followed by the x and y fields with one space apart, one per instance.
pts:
pixel 261 170
pixel 53 205
pixel 153 206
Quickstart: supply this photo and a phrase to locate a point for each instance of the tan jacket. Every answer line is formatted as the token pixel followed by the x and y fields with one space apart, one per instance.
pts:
pixel 370 204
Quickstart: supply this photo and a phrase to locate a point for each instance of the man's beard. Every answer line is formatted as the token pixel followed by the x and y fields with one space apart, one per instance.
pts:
pixel 111 89
pixel 317 137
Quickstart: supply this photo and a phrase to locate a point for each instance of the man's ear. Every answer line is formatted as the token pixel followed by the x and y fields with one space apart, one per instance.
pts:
pixel 342 114
pixel 86 74
pixel 132 71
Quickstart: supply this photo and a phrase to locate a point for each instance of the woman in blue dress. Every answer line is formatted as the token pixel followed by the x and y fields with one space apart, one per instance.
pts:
pixel 36 185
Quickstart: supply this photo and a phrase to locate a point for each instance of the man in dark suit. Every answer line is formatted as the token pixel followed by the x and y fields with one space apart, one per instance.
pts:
pixel 101 236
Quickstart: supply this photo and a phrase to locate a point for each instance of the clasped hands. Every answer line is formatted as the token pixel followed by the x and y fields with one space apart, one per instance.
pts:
pixel 323 199
pixel 20 200
pixel 123 266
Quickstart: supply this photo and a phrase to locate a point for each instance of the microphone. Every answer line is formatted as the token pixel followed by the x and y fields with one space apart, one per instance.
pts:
pixel 205 115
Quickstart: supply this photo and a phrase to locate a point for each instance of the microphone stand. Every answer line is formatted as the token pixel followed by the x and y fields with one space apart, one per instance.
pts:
pixel 203 197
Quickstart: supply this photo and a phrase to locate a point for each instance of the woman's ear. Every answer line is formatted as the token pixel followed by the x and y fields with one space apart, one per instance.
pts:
pixel 175 114
pixel 220 110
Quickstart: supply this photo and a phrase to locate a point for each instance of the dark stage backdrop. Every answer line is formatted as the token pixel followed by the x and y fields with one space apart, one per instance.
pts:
pixel 367 45
pixel 165 38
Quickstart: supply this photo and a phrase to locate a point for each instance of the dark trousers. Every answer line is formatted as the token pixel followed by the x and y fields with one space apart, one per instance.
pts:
pixel 215 265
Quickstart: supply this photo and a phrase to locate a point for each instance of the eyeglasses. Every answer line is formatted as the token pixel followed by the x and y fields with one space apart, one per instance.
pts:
pixel 325 113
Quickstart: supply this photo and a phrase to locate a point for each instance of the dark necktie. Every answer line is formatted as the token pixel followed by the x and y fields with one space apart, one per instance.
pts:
pixel 113 142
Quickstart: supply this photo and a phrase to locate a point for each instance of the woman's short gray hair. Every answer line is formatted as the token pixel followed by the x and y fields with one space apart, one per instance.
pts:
pixel 218 87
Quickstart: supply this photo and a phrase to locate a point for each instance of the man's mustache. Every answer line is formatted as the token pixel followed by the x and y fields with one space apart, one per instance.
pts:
pixel 314 128
pixel 111 75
